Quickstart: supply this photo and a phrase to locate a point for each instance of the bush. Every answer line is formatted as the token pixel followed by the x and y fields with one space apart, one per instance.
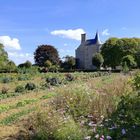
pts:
pixel 19 88
pixel 69 77
pixel 124 123
pixel 53 81
pixel 6 79
pixel 4 90
pixel 30 86
pixel 23 78
pixel 136 81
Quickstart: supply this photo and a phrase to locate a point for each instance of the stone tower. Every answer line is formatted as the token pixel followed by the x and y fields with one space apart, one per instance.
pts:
pixel 86 50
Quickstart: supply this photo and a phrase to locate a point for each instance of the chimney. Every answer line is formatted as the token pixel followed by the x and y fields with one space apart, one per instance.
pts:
pixel 83 38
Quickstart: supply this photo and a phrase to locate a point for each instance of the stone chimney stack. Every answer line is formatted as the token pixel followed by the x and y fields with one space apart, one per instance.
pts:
pixel 83 38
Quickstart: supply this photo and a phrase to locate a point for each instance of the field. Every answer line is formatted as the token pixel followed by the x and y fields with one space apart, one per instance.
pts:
pixel 68 106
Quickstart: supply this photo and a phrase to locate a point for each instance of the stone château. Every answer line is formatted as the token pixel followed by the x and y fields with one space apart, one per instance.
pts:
pixel 86 50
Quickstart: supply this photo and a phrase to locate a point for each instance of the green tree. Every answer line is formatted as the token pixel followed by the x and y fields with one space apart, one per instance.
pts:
pixel 129 46
pixel 111 53
pixel 11 66
pixel 44 53
pixel 129 60
pixel 97 60
pixel 137 57
pixel 27 64
pixel 114 49
pixel 3 57
pixel 69 62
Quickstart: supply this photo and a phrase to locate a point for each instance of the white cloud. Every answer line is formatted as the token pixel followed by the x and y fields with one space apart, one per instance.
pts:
pixel 71 34
pixel 10 43
pixel 105 32
pixel 20 57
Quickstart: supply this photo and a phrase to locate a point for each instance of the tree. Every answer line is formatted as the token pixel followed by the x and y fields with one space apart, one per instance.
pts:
pixel 48 64
pixel 137 58
pixel 114 49
pixel 111 53
pixel 44 53
pixel 27 64
pixel 69 62
pixel 3 58
pixel 129 60
pixel 11 66
pixel 3 55
pixel 97 60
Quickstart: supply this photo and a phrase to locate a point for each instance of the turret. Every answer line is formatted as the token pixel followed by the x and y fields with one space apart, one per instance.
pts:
pixel 97 38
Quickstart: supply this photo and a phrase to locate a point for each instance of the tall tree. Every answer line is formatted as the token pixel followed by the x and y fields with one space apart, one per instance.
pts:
pixel 97 60
pixel 3 54
pixel 3 57
pixel 111 52
pixel 44 53
pixel 114 49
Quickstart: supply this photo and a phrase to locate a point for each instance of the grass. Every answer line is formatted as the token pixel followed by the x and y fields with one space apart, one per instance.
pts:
pixel 70 103
pixel 16 116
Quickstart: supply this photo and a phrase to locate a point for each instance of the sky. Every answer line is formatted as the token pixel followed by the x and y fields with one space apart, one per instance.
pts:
pixel 26 24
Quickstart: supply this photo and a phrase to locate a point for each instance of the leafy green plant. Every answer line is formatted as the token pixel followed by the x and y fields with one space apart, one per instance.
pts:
pixel 53 81
pixel 19 88
pixel 23 77
pixel 6 79
pixel 136 81
pixel 30 86
pixel 124 123
pixel 69 77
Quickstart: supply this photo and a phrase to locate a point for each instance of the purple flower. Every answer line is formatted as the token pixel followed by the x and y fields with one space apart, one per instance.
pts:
pixel 123 131
pixel 108 137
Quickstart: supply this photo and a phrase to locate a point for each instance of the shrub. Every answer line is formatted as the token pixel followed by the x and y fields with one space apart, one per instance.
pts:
pixel 53 81
pixel 6 79
pixel 19 88
pixel 23 78
pixel 124 123
pixel 30 86
pixel 4 90
pixel 136 81
pixel 69 77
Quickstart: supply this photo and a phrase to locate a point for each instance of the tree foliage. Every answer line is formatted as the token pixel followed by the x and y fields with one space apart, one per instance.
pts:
pixel 114 49
pixel 5 64
pixel 69 62
pixel 27 64
pixel 97 60
pixel 44 53
pixel 3 55
pixel 137 58
pixel 129 60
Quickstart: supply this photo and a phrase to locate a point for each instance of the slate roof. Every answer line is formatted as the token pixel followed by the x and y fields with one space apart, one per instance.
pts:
pixel 94 41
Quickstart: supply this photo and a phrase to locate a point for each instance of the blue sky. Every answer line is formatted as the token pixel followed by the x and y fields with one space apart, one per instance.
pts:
pixel 25 24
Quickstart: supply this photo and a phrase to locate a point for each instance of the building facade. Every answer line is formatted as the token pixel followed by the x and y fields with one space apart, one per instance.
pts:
pixel 86 50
